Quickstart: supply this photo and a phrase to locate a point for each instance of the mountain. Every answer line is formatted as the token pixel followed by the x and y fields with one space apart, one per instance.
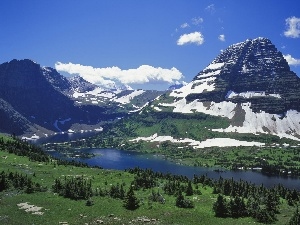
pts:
pixel 39 100
pixel 175 86
pixel 250 85
pixel 80 85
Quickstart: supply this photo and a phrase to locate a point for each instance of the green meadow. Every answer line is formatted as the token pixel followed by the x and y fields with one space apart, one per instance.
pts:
pixel 46 207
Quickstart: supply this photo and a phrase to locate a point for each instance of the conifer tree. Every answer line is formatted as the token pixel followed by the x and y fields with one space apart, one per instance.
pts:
pixel 189 189
pixel 220 207
pixel 130 201
pixel 180 200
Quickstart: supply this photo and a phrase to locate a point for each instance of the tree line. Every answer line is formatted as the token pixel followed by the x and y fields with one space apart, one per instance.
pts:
pixel 10 180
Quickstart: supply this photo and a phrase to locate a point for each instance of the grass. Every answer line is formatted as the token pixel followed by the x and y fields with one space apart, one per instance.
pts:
pixel 57 209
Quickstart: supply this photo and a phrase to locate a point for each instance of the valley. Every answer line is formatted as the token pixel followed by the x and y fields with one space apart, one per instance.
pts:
pixel 240 114
pixel 43 200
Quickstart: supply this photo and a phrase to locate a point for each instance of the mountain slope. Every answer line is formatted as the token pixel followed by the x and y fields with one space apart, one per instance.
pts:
pixel 39 95
pixel 249 83
pixel 43 99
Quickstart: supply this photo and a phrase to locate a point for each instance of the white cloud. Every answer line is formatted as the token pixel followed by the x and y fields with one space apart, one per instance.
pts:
pixel 221 37
pixel 293 27
pixel 291 61
pixel 196 38
pixel 197 20
pixel 185 25
pixel 211 8
pixel 109 75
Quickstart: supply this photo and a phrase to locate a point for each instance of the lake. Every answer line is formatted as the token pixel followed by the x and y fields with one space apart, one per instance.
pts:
pixel 120 160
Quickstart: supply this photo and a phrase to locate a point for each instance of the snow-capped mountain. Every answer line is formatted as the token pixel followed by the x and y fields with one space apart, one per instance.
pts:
pixel 78 84
pixel 85 93
pixel 39 99
pixel 251 84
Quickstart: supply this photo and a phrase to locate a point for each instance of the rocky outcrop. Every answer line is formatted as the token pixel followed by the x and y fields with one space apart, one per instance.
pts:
pixel 255 69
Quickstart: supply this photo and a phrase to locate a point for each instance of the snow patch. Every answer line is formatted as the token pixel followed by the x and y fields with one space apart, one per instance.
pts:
pixel 214 66
pixel 32 138
pixel 99 129
pixel 157 109
pixel 196 86
pixel 263 122
pixel 224 109
pixel 250 94
pixel 215 142
pixel 127 98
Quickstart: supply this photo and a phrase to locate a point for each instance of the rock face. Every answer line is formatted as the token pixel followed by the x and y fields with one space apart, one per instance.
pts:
pixel 252 71
pixel 80 85
pixel 251 84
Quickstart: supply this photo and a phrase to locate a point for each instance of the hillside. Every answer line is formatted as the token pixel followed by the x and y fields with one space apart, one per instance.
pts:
pixel 41 197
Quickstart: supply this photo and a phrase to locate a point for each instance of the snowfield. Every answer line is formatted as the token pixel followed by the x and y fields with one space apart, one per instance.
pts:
pixel 197 86
pixel 127 98
pixel 215 142
pixel 224 109
pixel 263 122
pixel 287 126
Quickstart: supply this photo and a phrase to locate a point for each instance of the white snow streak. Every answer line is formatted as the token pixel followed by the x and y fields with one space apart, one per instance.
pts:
pixel 197 86
pixel 126 99
pixel 215 142
pixel 224 109
pixel 250 94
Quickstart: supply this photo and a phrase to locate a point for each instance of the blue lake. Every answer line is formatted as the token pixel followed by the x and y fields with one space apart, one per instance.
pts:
pixel 120 160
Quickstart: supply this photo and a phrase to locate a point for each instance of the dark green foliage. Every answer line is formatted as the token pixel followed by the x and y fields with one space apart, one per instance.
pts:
pixel 189 189
pixel 183 203
pixel 73 188
pixel 18 181
pixel 264 216
pixel 272 201
pixel 89 202
pixel 220 207
pixel 237 207
pixel 295 220
pixel 117 191
pixel 157 197
pixel 130 201
pixel 23 148
pixel 144 179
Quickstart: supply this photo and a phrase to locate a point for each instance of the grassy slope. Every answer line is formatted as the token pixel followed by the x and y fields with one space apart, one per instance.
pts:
pixel 58 209
pixel 197 127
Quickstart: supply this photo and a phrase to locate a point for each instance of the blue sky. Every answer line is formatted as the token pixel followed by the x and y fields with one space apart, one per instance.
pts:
pixel 145 44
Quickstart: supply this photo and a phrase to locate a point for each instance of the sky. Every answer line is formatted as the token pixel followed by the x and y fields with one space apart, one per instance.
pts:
pixel 148 44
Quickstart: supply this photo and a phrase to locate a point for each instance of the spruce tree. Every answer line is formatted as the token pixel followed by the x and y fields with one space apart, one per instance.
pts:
pixel 180 200
pixel 130 201
pixel 189 189
pixel 220 207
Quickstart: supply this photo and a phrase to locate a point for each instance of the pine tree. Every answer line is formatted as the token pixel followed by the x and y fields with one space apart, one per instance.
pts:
pixel 130 201
pixel 220 207
pixel 189 190
pixel 180 200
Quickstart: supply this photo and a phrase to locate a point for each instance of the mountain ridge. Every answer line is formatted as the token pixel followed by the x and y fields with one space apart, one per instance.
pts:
pixel 250 81
pixel 42 97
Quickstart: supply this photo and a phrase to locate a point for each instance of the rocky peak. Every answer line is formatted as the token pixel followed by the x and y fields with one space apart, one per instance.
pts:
pixel 80 85
pixel 254 66
pixel 58 81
